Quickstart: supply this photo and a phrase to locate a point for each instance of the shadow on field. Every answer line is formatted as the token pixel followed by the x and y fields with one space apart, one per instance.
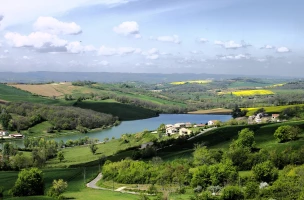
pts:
pixel 125 112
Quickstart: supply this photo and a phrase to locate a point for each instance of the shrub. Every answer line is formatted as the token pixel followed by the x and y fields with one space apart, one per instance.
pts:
pixel 30 182
pixel 232 193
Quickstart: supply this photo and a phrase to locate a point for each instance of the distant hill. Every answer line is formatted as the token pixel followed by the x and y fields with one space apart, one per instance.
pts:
pixel 108 77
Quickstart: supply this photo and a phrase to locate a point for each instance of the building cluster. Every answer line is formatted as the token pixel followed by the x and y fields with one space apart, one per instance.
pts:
pixel 178 128
pixel 5 134
pixel 183 128
pixel 263 118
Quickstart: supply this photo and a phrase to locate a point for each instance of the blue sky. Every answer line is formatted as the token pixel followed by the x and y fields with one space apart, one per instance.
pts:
pixel 172 36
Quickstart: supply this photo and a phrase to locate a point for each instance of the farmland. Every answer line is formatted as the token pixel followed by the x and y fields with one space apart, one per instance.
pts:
pixel 271 109
pixel 252 92
pixel 191 82
pixel 54 89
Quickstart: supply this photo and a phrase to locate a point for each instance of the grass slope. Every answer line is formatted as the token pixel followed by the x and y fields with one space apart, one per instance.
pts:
pixel 223 136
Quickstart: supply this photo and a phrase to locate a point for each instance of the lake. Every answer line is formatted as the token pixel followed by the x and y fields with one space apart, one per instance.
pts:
pixel 140 125
pixel 146 124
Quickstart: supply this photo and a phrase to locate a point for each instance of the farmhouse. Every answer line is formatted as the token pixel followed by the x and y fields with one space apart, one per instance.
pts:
pixel 188 125
pixel 3 133
pixel 275 116
pixel 168 125
pixel 184 131
pixel 171 131
pixel 212 122
pixel 199 125
pixel 16 135
pixel 179 125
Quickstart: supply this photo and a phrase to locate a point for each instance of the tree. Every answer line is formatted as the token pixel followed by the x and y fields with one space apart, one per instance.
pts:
pixel 93 148
pixel 265 172
pixel 161 128
pixel 251 189
pixel 232 193
pixel 5 118
pixel 237 112
pixel 245 139
pixel 30 182
pixel 202 156
pixel 286 133
pixel 60 156
pixel 58 187
pixel 260 110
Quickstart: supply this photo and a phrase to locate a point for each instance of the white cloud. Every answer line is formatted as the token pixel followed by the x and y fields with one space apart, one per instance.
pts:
pixel 152 57
pixel 6 51
pixel 54 26
pixel 152 51
pixel 149 64
pixel 35 39
pixel 234 57
pixel 128 28
pixel 268 47
pixel 26 58
pixel 152 54
pixel 2 56
pixel 104 63
pixel 20 11
pixel 173 39
pixel 202 40
pixel 262 59
pixel 108 51
pixel 283 50
pixel 231 44
pixel 77 47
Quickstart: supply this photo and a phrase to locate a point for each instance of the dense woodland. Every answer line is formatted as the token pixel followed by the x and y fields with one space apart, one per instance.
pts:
pixel 25 115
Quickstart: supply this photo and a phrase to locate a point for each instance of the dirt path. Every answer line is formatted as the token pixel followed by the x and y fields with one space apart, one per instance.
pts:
pixel 93 185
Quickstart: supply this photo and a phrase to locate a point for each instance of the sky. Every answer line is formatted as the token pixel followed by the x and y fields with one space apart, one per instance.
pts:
pixel 248 37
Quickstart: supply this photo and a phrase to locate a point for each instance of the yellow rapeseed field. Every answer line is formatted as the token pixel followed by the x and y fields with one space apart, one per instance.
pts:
pixel 252 92
pixel 197 81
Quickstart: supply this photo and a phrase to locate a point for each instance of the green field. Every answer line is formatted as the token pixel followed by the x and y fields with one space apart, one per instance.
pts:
pixel 74 177
pixel 123 111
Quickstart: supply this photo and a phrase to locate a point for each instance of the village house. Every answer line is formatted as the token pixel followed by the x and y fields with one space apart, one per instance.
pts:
pixel 188 125
pixel 171 131
pixel 180 125
pixel 184 131
pixel 16 135
pixel 199 125
pixel 3 133
pixel 168 125
pixel 212 122
pixel 275 117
